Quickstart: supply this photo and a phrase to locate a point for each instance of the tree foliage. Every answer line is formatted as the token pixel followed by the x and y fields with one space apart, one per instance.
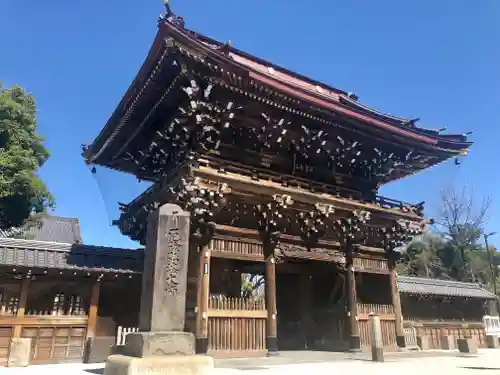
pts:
pixel 453 248
pixel 22 153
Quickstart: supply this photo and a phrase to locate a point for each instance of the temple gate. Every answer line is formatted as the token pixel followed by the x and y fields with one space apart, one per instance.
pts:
pixel 280 174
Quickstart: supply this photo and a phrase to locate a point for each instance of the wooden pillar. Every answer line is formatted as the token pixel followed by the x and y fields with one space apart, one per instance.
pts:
pixel 352 304
pixel 21 309
pixel 93 309
pixel 203 293
pixel 305 306
pixel 272 324
pixel 396 302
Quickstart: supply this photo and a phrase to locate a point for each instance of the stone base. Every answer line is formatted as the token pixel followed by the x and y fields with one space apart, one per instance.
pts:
pixel 467 346
pixel 146 344
pixel 400 341
pixel 447 342
pixel 98 349
pixel 159 365
pixel 272 346
pixel 354 343
pixel 201 345
pixel 492 342
pixel 423 342
pixel 377 354
pixel 19 353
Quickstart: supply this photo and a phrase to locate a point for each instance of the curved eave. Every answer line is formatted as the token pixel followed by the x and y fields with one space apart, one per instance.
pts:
pixel 253 68
pixel 246 66
pixel 134 88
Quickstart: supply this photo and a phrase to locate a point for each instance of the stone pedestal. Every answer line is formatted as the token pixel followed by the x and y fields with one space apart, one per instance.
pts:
pixel 492 341
pixel 447 342
pixel 162 347
pixel 423 342
pixel 161 365
pixel 19 353
pixel 467 346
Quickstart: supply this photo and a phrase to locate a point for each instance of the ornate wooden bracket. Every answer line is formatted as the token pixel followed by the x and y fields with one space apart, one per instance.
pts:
pixel 403 231
pixel 314 224
pixel 210 115
pixel 202 203
pixel 271 223
pixel 351 230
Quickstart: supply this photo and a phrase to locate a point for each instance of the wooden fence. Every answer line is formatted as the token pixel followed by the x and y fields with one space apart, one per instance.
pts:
pixel 435 330
pixel 387 323
pixel 236 326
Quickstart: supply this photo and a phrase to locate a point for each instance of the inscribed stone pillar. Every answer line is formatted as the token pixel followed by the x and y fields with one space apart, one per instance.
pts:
pixel 162 347
pixel 164 279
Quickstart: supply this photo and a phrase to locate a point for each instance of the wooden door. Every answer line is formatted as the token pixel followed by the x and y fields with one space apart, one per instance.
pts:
pixel 55 344
pixel 289 313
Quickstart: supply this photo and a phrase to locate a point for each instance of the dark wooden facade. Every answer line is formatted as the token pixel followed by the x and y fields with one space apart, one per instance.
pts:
pixel 280 174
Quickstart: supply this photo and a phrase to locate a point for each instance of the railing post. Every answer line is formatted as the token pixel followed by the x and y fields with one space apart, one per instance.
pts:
pixel 376 338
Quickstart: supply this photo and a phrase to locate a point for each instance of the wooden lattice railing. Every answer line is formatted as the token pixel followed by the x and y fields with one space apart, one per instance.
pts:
pixel 368 308
pixel 235 303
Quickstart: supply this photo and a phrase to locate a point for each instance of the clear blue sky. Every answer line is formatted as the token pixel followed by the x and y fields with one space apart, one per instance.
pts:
pixel 437 60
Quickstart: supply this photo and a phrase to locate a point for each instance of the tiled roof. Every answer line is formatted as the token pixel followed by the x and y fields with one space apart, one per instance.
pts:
pixel 57 229
pixel 52 228
pixel 421 285
pixel 42 254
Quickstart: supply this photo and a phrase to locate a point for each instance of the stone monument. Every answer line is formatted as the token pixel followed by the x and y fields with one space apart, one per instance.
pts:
pixel 161 346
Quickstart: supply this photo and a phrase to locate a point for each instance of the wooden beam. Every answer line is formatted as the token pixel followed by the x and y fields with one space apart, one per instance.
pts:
pixel 247 184
pixel 352 305
pixel 271 324
pixel 43 320
pixel 203 293
pixel 396 302
pixel 93 309
pixel 21 309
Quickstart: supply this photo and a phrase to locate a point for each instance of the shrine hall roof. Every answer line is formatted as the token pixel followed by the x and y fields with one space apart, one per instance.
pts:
pixel 426 286
pixel 64 256
pixel 243 72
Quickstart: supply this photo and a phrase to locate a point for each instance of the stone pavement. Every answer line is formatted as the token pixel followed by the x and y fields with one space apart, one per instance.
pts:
pixel 434 363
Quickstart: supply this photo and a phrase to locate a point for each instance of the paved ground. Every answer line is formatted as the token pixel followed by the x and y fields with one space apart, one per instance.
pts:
pixel 433 363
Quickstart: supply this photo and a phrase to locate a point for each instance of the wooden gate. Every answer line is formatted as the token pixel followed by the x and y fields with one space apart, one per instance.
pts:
pixel 236 327
pixel 387 323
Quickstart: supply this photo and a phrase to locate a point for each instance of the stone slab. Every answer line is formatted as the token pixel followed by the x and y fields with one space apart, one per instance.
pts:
pixel 159 365
pixel 164 277
pixel 145 344
pixel 467 346
pixel 19 353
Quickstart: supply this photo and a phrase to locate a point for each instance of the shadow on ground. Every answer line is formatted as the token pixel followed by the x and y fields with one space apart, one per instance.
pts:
pixel 480 368
pixel 95 371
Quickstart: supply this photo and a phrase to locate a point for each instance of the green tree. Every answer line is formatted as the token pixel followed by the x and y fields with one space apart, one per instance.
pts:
pixel 22 153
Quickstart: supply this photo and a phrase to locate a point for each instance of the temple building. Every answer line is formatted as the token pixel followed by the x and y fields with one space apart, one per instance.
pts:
pixel 281 175
pixel 291 246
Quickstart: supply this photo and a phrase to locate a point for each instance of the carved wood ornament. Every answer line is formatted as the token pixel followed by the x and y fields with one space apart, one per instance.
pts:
pixel 271 222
